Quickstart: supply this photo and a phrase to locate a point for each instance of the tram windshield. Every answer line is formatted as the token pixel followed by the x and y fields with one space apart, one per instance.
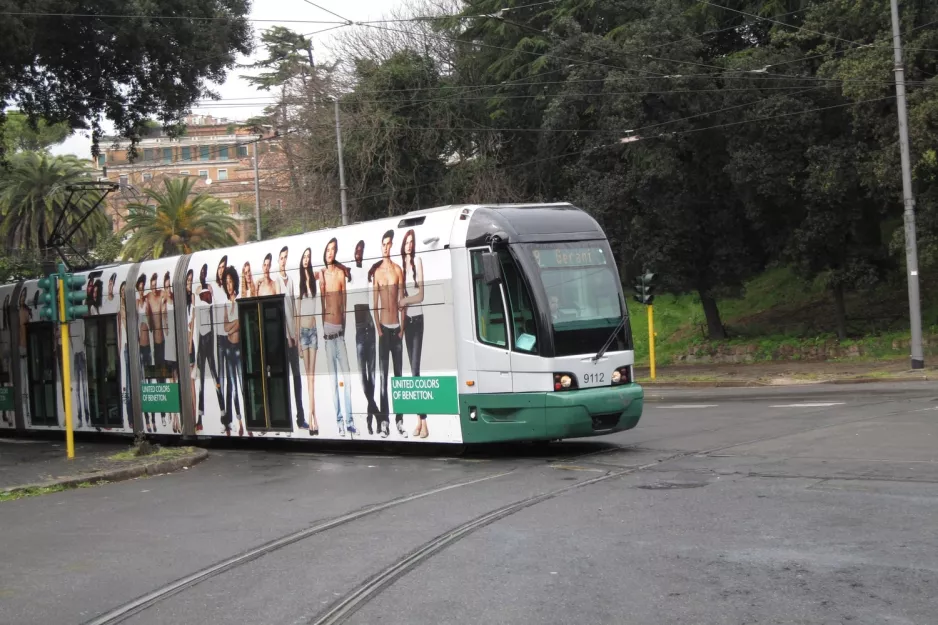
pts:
pixel 581 286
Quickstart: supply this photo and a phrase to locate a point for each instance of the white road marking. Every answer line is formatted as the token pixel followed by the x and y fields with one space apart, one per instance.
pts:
pixel 690 406
pixel 814 405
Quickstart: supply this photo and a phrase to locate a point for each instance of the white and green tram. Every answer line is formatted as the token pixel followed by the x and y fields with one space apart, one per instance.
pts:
pixel 457 324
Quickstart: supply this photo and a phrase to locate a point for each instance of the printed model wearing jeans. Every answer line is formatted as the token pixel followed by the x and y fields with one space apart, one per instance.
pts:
pixel 149 419
pixel 334 304
pixel 285 283
pixel 413 313
pixel 365 338
pixel 389 286
pixel 309 336
pixel 206 349
pixel 234 384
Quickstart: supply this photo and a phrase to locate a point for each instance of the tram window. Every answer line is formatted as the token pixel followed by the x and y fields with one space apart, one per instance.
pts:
pixel 489 308
pixel 523 325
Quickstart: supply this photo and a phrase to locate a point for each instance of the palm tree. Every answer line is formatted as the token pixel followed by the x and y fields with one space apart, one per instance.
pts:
pixel 172 222
pixel 33 195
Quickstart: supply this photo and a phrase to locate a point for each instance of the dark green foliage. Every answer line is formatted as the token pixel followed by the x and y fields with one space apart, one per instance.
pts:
pixel 152 61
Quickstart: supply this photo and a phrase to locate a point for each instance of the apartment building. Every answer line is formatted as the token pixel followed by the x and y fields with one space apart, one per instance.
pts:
pixel 217 151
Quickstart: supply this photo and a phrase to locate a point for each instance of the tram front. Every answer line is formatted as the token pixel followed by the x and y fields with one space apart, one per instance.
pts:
pixel 567 325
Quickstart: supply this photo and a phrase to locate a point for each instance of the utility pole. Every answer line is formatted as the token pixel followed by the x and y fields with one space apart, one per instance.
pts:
pixel 257 193
pixel 911 251
pixel 338 142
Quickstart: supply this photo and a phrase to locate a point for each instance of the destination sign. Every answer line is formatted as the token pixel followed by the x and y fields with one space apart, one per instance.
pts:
pixel 569 257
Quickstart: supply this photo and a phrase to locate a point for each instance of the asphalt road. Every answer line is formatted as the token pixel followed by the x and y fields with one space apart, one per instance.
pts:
pixel 808 505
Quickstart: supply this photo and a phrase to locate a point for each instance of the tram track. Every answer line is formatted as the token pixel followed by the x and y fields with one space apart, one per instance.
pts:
pixel 126 611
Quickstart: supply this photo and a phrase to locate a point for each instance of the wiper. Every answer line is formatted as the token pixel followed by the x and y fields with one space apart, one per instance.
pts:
pixel 611 338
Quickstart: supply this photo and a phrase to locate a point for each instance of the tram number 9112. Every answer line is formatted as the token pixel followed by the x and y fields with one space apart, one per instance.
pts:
pixel 594 378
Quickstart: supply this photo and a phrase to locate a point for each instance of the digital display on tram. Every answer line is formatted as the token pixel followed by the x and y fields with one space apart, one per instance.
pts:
pixel 567 257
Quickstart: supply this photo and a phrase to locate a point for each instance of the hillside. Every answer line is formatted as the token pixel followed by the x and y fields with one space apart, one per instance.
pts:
pixel 780 317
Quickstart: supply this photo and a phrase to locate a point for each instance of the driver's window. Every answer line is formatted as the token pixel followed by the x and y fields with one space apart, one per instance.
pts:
pixel 523 322
pixel 489 309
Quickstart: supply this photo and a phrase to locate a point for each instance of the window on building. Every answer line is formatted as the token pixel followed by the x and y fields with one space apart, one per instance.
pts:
pixel 184 172
pixel 186 153
pixel 489 307
pixel 203 174
pixel 223 174
pixel 102 159
pixel 267 204
pixel 242 150
pixel 279 203
pixel 167 155
pixel 147 177
pixel 123 182
pixel 223 152
pixel 205 153
pixel 148 154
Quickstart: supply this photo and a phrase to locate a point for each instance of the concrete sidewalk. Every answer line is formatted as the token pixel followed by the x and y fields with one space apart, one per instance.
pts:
pixel 783 373
pixel 28 462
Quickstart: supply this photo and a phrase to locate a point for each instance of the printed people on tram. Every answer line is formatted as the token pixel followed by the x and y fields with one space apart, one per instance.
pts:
pixel 334 305
pixel 221 340
pixel 234 385
pixel 76 333
pixel 309 335
pixel 291 323
pixel 389 287
pixel 167 311
pixel 25 313
pixel 267 285
pixel 206 348
pixel 155 318
pixel 365 336
pixel 121 325
pixel 248 288
pixel 143 340
pixel 112 307
pixel 97 297
pixel 190 339
pixel 5 352
pixel 412 313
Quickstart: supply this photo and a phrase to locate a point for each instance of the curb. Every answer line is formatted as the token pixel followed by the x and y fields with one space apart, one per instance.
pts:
pixel 759 384
pixel 118 474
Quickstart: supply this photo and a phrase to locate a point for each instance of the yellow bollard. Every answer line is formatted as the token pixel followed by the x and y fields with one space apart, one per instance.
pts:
pixel 651 340
pixel 66 374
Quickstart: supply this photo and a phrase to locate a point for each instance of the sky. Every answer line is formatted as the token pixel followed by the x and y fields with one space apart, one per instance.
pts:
pixel 234 87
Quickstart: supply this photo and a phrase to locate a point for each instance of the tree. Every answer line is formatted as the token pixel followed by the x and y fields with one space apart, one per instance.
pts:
pixel 20 135
pixel 116 59
pixel 176 222
pixel 34 194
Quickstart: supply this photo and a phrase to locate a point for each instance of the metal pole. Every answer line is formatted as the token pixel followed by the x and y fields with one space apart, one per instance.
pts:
pixel 257 194
pixel 66 373
pixel 338 142
pixel 911 251
pixel 651 339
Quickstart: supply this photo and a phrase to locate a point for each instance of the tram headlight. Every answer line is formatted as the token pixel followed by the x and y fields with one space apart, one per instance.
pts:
pixel 564 381
pixel 622 375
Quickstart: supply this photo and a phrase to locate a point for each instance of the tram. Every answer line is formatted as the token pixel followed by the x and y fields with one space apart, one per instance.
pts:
pixel 456 324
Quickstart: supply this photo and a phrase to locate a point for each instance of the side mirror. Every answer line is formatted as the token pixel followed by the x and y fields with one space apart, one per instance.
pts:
pixel 491 268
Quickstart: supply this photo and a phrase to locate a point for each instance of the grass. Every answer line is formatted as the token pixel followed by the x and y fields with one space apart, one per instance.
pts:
pixel 781 317
pixel 162 453
pixel 34 491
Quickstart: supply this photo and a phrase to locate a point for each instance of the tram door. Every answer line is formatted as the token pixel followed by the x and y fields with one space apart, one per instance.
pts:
pixel 264 363
pixel 41 371
pixel 101 353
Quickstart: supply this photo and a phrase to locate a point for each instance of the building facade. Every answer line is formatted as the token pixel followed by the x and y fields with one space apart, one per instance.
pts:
pixel 218 152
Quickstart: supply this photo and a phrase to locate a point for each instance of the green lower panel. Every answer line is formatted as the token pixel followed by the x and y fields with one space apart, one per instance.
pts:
pixel 548 416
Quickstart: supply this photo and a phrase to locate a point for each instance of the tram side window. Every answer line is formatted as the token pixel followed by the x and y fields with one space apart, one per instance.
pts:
pixel 523 324
pixel 489 308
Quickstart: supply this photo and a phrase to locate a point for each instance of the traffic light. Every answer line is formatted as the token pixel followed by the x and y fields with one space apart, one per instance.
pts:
pixel 48 300
pixel 644 289
pixel 75 296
